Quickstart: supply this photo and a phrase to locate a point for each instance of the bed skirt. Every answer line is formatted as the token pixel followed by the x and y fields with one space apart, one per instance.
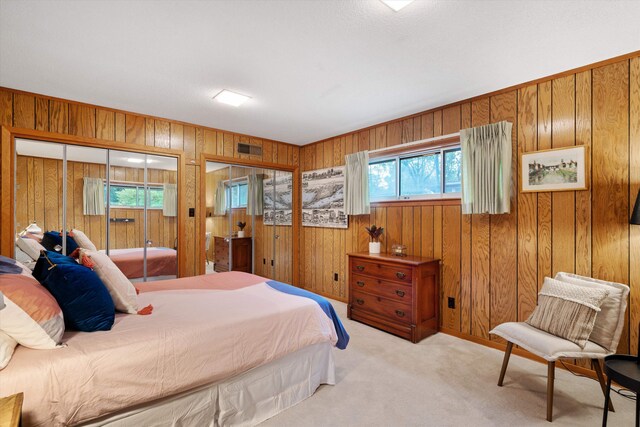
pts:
pixel 246 399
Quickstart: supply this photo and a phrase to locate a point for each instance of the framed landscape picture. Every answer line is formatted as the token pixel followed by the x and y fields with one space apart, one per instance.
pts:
pixel 559 169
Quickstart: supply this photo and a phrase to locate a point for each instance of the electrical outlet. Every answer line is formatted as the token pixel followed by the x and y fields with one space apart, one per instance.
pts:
pixel 451 302
pixel 192 212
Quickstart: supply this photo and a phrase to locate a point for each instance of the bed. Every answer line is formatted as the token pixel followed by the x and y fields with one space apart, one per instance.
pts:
pixel 161 262
pixel 224 349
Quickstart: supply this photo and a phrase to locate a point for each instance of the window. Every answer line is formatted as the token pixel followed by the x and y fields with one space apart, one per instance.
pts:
pixel 132 196
pixel 431 174
pixel 237 194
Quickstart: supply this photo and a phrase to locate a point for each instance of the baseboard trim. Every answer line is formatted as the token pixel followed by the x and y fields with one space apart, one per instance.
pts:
pixel 520 352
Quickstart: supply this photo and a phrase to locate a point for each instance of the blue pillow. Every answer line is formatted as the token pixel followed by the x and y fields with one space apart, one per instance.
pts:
pixel 9 266
pixel 46 260
pixel 52 238
pixel 85 301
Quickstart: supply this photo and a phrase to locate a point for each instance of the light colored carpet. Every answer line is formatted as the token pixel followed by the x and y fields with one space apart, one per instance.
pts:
pixel 383 380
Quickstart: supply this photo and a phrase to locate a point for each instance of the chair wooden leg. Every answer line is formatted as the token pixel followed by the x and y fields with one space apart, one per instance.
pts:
pixel 595 364
pixel 551 371
pixel 505 362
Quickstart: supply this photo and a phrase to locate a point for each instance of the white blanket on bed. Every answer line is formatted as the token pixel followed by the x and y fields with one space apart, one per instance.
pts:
pixel 193 337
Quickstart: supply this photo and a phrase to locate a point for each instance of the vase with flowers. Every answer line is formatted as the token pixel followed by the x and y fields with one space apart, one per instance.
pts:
pixel 241 225
pixel 374 234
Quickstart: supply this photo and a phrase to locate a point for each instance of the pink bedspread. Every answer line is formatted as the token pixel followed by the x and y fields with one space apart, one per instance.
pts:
pixel 212 328
pixel 160 262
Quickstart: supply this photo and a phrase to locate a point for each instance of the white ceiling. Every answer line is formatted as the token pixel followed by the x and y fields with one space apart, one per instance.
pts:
pixel 315 69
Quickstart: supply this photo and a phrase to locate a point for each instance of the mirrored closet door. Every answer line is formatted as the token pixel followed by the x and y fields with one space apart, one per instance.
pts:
pixel 248 224
pixel 124 202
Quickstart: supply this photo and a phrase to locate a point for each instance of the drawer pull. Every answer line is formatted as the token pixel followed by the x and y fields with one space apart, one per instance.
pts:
pixel 400 313
pixel 400 293
pixel 360 301
pixel 361 284
pixel 360 267
pixel 400 275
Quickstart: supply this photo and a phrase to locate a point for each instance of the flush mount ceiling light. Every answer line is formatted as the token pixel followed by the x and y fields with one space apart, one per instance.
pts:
pixel 396 4
pixel 137 160
pixel 231 98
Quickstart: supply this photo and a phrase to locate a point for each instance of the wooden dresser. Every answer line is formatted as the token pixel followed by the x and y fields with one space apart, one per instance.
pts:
pixel 397 294
pixel 240 254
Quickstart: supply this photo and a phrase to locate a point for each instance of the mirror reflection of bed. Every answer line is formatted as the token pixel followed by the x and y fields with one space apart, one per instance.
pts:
pixel 140 235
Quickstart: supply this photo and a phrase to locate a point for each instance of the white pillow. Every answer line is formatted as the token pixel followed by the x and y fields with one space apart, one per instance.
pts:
pixel 120 288
pixel 608 322
pixel 82 240
pixel 7 347
pixel 31 315
pixel 30 246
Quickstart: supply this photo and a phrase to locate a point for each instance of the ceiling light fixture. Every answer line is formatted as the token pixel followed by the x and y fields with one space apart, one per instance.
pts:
pixel 396 4
pixel 137 160
pixel 231 98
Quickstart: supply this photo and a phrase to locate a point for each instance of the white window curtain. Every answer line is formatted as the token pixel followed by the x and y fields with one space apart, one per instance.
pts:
pixel 220 202
pixel 170 200
pixel 93 196
pixel 255 195
pixel 486 169
pixel 356 184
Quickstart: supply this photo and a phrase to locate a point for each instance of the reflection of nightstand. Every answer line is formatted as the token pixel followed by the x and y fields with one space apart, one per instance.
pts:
pixel 11 410
pixel 240 254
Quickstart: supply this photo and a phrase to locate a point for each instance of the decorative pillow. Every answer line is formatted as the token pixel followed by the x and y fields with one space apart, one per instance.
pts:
pixel 7 347
pixel 48 259
pixel 608 322
pixel 82 240
pixel 566 310
pixel 11 266
pixel 122 291
pixel 30 246
pixel 51 239
pixel 32 316
pixel 83 298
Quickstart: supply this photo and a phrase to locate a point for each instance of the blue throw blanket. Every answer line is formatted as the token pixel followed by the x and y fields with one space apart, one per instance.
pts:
pixel 325 305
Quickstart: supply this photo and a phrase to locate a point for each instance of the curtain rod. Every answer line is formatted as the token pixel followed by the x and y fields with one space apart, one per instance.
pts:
pixel 451 136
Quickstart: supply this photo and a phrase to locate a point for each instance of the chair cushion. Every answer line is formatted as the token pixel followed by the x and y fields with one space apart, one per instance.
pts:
pixel 567 310
pixel 545 345
pixel 610 321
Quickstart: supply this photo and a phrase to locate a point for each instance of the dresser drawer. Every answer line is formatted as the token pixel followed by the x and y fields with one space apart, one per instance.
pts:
pixel 396 310
pixel 392 290
pixel 383 271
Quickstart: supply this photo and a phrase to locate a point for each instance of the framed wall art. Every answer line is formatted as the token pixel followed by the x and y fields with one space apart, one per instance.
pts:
pixel 558 169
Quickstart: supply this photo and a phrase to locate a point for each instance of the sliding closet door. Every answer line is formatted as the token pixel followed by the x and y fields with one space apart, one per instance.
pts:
pixel 162 215
pixel 39 178
pixel 283 225
pixel 86 171
pixel 218 223
pixel 241 241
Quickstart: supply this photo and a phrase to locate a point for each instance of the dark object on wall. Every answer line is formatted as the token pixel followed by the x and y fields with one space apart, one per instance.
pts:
pixel 122 219
pixel 255 150
pixel 635 216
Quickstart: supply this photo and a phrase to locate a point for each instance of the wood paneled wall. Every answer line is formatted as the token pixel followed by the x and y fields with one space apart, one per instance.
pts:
pixel 40 112
pixel 494 265
pixel 39 198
